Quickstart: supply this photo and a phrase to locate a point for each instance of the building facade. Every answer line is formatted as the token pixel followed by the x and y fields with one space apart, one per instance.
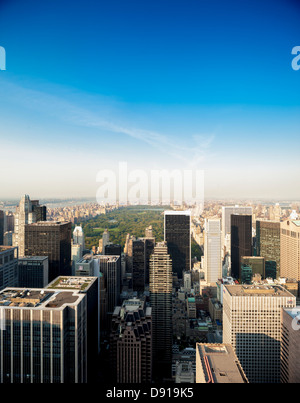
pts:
pixel 252 325
pixel 160 288
pixel 177 234
pixel 131 342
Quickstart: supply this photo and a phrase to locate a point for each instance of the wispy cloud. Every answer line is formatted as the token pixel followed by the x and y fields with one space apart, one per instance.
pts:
pixel 191 149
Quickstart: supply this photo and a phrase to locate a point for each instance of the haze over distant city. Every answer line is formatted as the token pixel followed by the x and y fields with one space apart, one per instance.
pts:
pixel 161 85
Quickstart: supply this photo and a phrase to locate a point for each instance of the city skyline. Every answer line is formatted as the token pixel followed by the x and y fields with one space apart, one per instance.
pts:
pixel 194 85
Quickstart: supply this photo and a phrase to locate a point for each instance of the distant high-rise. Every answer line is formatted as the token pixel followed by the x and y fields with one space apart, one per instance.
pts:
pixel 112 249
pixel 33 271
pixel 160 288
pixel 212 250
pixel 241 241
pixel 227 211
pixel 177 234
pixel 138 265
pixel 290 345
pixel 27 212
pixel 8 267
pixel 110 267
pixel 252 325
pixel 52 239
pixel 290 249
pixel 78 237
pixel 251 265
pixel 268 246
pixel 131 342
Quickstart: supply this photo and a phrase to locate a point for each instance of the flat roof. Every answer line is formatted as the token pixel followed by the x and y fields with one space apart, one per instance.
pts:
pixel 38 298
pixel 258 290
pixel 220 363
pixel 179 212
pixel 79 283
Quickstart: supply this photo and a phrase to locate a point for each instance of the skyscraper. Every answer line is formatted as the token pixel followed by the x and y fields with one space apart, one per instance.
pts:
pixel 88 285
pixel 252 325
pixel 177 234
pixel 227 211
pixel 8 267
pixel 138 265
pixel 160 288
pixel 290 249
pixel 33 271
pixel 27 212
pixel 44 339
pixel 52 239
pixel 241 241
pixel 268 246
pixel 212 250
pixel 131 342
pixel 78 237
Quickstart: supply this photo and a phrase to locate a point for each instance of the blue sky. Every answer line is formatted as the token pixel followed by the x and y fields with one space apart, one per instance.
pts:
pixel 194 84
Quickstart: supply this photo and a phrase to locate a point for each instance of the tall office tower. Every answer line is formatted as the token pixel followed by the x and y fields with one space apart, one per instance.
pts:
pixel 52 239
pixel 88 285
pixel 227 211
pixel 290 249
pixel 7 238
pixel 113 249
pixel 252 325
pixel 251 265
pixel 177 234
pixel 187 281
pixel 76 254
pixel 268 246
pixel 149 243
pixel 44 339
pixel 2 225
pixel 160 288
pixel 89 266
pixel 138 265
pixel 10 221
pixel 149 232
pixel 218 363
pixel 131 342
pixel 27 212
pixel 290 345
pixel 105 239
pixel 241 241
pixel 110 267
pixel 212 250
pixel 33 271
pixel 8 267
pixel 78 236
pixel 39 211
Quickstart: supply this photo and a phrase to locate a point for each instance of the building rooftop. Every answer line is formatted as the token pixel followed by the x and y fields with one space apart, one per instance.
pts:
pixel 72 283
pixel 33 258
pixel 261 290
pixel 37 298
pixel 220 364
pixel 177 212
